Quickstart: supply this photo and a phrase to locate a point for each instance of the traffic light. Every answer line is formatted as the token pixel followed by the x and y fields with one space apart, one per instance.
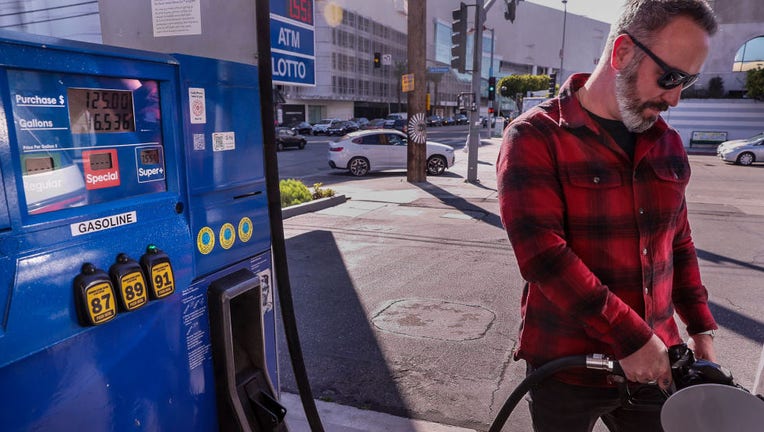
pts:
pixel 491 88
pixel 377 60
pixel 459 38
pixel 552 84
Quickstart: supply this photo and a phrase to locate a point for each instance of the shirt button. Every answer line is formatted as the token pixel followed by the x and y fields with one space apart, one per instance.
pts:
pixel 647 291
pixel 596 180
pixel 644 251
pixel 641 211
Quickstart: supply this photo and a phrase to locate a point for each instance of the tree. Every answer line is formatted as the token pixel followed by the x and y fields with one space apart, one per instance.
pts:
pixel 516 86
pixel 754 83
pixel 716 87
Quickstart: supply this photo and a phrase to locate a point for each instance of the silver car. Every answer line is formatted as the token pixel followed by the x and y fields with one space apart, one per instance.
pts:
pixel 744 151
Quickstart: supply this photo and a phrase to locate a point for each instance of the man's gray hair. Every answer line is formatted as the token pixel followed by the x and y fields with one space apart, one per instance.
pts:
pixel 644 18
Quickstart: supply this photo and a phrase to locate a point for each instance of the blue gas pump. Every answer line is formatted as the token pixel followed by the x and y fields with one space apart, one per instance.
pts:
pixel 135 264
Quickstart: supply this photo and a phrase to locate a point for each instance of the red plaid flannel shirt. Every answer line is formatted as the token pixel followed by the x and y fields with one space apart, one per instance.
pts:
pixel 603 242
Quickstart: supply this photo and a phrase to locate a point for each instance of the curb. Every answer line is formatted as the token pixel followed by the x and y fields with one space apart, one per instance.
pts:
pixel 312 206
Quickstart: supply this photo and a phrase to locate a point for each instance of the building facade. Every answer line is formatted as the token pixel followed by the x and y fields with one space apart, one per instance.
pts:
pixel 348 34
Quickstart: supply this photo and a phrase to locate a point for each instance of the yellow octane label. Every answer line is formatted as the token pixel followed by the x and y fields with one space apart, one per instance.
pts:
pixel 164 281
pixel 205 240
pixel 227 236
pixel 245 229
pixel 133 290
pixel 101 304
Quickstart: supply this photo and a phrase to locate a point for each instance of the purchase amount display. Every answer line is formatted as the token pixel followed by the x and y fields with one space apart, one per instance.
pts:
pixel 100 110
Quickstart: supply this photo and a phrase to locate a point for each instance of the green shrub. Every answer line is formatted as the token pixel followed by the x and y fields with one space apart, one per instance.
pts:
pixel 319 192
pixel 293 192
pixel 755 83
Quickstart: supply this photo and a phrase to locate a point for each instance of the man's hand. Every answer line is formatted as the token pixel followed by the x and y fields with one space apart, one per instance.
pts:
pixel 702 345
pixel 649 364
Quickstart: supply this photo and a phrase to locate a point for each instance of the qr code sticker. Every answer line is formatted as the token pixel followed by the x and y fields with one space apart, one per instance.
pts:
pixel 217 142
pixel 199 143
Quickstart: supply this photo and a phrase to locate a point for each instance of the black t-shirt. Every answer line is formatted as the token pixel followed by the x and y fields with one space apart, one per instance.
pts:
pixel 619 132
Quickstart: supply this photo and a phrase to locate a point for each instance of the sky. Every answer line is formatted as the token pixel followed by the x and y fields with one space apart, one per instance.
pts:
pixel 601 10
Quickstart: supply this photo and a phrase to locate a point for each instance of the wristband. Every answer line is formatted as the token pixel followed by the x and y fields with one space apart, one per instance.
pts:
pixel 711 333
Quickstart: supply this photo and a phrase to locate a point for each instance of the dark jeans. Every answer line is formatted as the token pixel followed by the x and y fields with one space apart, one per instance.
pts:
pixel 559 407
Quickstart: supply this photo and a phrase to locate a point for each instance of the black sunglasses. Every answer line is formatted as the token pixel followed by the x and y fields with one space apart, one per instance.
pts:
pixel 671 77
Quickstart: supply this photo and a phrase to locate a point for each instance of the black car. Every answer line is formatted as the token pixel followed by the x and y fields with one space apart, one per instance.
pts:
pixel 302 128
pixel 434 120
pixel 461 119
pixel 340 127
pixel 401 125
pixel 286 137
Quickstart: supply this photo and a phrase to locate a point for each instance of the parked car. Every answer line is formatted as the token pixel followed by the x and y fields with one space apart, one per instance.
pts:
pixel 320 127
pixel 286 137
pixel 340 127
pixel 395 116
pixel 383 149
pixel 377 123
pixel 400 125
pixel 448 121
pixel 302 128
pixel 461 119
pixel 434 120
pixel 743 151
pixel 360 121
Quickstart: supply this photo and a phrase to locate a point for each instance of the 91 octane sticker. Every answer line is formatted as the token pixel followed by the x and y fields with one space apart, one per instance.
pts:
pixel 133 290
pixel 101 306
pixel 164 281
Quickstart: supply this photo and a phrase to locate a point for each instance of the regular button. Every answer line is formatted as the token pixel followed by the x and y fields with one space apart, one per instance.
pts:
pixel 641 211
pixel 644 251
pixel 596 180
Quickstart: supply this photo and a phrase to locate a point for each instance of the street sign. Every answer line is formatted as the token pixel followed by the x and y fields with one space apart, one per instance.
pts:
pixel 438 69
pixel 293 54
pixel 387 59
pixel 407 82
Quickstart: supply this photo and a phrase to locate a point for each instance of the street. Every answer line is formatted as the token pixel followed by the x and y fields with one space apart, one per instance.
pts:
pixel 310 164
pixel 407 296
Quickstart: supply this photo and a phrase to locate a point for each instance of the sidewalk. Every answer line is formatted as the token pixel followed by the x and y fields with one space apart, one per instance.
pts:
pixel 340 418
pixel 357 198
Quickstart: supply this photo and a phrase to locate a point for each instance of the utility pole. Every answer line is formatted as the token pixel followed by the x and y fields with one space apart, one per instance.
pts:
pixel 477 57
pixel 416 125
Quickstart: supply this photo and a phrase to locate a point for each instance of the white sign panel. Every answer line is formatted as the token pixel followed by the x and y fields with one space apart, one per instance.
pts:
pixel 197 105
pixel 176 17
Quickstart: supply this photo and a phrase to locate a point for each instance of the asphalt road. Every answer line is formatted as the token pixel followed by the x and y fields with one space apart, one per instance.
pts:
pixel 407 296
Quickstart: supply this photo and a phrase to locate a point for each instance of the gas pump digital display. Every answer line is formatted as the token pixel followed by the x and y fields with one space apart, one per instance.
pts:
pixel 100 110
pixel 84 139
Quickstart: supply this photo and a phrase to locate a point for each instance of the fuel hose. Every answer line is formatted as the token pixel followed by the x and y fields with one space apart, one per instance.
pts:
pixel 534 378
pixel 278 245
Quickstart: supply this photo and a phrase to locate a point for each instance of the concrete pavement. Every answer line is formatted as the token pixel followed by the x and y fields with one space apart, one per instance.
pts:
pixel 372 194
pixel 379 200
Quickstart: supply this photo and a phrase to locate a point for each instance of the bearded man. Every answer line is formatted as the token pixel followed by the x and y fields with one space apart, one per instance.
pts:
pixel 592 195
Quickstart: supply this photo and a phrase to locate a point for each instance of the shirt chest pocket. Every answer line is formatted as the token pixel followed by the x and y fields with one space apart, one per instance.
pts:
pixel 672 172
pixel 590 192
pixel 663 185
pixel 594 179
